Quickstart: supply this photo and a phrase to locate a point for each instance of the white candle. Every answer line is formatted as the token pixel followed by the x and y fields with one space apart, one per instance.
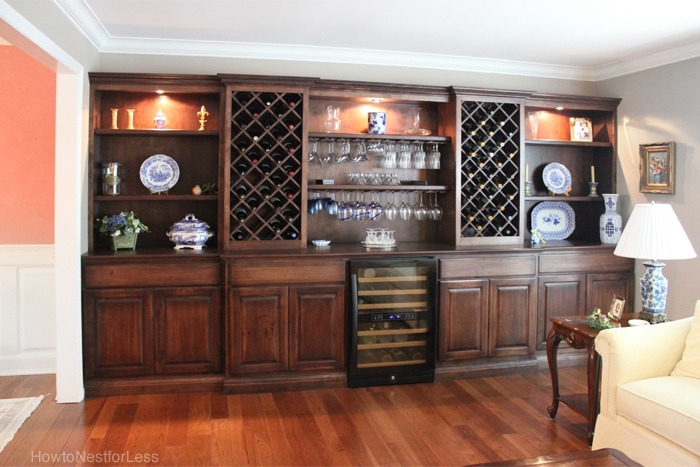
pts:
pixel 527 173
pixel 593 173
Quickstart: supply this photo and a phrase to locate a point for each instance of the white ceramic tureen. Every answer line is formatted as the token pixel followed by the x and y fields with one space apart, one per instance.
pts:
pixel 190 232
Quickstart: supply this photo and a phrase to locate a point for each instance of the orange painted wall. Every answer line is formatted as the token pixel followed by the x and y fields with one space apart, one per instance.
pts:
pixel 27 146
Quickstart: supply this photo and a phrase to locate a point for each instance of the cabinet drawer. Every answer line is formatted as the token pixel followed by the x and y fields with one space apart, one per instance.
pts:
pixel 597 261
pixel 488 266
pixel 285 272
pixel 150 275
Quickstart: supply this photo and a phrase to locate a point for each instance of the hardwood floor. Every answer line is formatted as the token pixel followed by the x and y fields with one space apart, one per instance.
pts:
pixel 445 423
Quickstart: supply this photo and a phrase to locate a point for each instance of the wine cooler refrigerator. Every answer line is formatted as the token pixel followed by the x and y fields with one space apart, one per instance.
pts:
pixel 393 321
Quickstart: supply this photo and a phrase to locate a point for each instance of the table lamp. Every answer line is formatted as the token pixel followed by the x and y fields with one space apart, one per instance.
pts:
pixel 653 232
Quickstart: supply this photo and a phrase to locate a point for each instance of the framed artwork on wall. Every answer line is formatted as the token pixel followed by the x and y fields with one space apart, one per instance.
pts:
pixel 657 168
pixel 581 129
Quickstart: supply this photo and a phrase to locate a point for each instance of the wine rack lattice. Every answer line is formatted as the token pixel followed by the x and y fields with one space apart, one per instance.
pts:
pixel 490 159
pixel 266 144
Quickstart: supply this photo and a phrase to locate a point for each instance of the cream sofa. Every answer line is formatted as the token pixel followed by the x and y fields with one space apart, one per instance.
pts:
pixel 650 392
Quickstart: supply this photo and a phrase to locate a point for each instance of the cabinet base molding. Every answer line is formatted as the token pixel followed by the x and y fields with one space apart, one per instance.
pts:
pixel 154 385
pixel 284 382
pixel 481 369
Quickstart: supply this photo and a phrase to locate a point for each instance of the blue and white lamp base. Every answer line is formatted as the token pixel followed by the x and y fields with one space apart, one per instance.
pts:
pixel 654 289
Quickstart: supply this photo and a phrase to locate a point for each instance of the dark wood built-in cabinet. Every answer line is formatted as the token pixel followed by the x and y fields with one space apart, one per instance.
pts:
pixel 260 308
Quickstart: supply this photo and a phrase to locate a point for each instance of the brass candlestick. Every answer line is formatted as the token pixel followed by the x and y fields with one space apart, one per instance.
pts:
pixel 202 114
pixel 115 113
pixel 131 118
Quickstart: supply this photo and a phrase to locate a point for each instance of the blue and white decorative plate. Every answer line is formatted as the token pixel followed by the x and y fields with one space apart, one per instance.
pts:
pixel 555 221
pixel 159 173
pixel 557 178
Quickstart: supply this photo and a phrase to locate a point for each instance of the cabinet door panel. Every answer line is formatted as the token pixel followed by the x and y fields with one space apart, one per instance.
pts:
pixel 600 289
pixel 512 320
pixel 118 332
pixel 558 295
pixel 188 330
pixel 317 327
pixel 463 319
pixel 258 329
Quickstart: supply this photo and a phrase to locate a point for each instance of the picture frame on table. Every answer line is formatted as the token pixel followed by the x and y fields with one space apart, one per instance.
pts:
pixel 581 129
pixel 617 307
pixel 657 168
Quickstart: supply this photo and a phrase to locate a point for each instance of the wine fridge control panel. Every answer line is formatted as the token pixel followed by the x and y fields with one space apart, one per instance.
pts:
pixel 393 321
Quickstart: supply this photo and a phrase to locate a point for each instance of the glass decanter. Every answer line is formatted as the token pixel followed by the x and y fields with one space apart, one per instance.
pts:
pixel 333 119
pixel 416 129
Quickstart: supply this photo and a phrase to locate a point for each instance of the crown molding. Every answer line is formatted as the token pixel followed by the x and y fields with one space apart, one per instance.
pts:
pixel 85 20
pixel 655 59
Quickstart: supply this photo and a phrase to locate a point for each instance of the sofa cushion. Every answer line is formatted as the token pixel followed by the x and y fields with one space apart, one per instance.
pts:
pixel 689 365
pixel 667 405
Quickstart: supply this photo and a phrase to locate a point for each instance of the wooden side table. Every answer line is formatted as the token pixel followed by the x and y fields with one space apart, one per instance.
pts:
pixel 579 335
pixel 576 332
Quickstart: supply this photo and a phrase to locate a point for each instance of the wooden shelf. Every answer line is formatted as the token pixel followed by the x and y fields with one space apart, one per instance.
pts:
pixel 155 132
pixel 554 142
pixel 156 198
pixel 438 188
pixel 588 199
pixel 394 137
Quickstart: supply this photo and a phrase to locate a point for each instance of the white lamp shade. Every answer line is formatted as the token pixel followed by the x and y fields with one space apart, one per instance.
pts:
pixel 653 231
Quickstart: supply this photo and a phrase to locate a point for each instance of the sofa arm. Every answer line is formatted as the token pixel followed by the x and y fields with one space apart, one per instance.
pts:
pixel 634 353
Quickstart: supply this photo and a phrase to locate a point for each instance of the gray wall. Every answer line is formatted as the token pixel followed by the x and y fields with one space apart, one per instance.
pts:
pixel 658 105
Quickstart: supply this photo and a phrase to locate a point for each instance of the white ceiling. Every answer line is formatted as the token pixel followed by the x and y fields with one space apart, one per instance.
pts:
pixel 588 40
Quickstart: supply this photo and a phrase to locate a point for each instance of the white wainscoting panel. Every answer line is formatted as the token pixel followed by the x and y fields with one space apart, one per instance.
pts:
pixel 27 310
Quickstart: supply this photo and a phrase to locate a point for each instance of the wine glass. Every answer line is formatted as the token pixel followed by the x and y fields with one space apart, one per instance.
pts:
pixel 419 210
pixel 313 154
pixel 345 209
pixel 419 156
pixel 435 211
pixel 360 154
pixel 433 156
pixel 330 155
pixel 404 155
pixel 332 205
pixel 344 152
pixel 361 210
pixel 405 211
pixel 389 160
pixel 390 210
pixel 375 209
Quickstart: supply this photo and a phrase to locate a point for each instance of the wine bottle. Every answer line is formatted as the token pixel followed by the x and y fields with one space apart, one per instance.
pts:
pixel 279 158
pixel 289 169
pixel 276 225
pixel 242 167
pixel 241 190
pixel 276 202
pixel 266 168
pixel 288 192
pixel 253 202
pixel 288 214
pixel 277 179
pixel 265 191
pixel 239 235
pixel 253 157
pixel 290 234
pixel 241 213
pixel 266 146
